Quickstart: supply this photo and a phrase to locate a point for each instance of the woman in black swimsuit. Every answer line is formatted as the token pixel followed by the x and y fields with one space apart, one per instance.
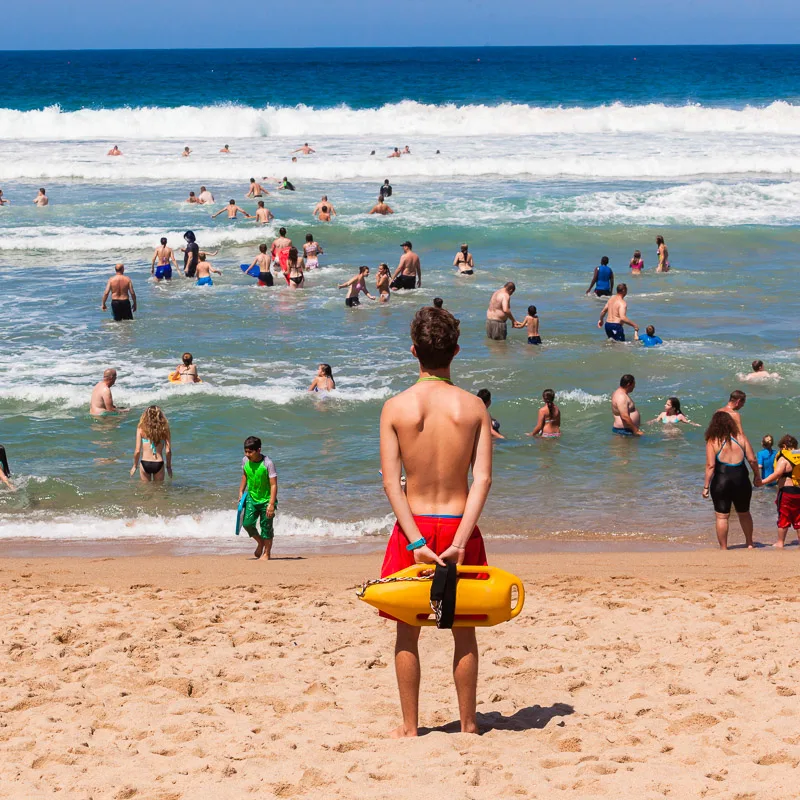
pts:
pixel 295 270
pixel 727 478
pixel 153 446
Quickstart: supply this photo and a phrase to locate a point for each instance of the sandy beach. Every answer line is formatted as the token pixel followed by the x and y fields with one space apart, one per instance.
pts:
pixel 644 675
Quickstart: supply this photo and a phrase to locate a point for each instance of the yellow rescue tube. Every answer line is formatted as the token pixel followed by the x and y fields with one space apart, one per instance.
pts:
pixel 484 596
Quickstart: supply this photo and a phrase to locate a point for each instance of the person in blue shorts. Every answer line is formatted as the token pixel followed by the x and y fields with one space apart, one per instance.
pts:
pixel 650 339
pixel 616 309
pixel 602 279
pixel 165 258
pixel 204 270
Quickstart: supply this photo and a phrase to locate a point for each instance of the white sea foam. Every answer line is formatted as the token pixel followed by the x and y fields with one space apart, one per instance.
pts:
pixel 581 397
pixel 64 396
pixel 408 118
pixel 208 525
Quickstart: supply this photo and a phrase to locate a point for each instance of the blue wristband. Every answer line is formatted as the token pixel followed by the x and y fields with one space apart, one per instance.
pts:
pixel 416 545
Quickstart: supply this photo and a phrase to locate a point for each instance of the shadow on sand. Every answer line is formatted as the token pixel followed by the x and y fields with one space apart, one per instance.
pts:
pixel 525 719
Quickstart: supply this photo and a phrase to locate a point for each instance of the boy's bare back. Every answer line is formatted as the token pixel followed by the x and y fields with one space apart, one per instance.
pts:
pixel 434 429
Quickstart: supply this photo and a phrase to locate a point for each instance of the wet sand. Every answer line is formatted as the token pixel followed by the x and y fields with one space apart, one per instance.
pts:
pixel 647 675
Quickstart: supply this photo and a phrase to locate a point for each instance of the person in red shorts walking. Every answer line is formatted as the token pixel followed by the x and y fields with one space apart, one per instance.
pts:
pixel 787 473
pixel 435 431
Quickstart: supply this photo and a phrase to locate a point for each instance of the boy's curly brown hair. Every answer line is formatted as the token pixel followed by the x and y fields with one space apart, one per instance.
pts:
pixel 434 333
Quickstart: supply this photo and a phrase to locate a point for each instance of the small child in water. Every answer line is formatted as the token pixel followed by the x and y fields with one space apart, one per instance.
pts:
pixel 260 481
pixel 531 321
pixel 766 458
pixel 637 263
pixel 650 339
pixel 486 396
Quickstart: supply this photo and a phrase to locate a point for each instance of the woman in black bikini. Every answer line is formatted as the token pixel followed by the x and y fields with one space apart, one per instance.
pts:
pixel 727 478
pixel 153 446
pixel 295 270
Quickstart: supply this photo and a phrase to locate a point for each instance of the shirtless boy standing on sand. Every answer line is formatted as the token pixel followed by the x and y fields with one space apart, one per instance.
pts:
pixel 436 432
pixel 626 416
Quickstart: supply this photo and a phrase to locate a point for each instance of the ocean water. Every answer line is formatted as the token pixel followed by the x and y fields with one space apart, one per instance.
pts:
pixel 549 158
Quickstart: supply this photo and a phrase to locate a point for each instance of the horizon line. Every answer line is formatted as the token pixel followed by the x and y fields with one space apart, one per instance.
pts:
pixel 402 47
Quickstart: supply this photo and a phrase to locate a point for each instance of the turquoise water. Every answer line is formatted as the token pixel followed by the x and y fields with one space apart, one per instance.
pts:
pixel 542 170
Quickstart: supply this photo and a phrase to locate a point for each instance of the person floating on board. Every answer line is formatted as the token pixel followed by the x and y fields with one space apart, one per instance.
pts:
pixel 260 481
pixel 436 432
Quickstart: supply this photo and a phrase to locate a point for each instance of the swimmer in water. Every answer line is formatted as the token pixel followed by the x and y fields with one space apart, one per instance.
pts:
pixel 323 381
pixel 186 152
pixel 187 370
pixel 531 322
pixel 486 396
pixel 153 446
pixel 5 471
pixel 663 255
pixel 205 197
pixel 114 151
pixel 602 279
pixel 381 207
pixel 324 202
pixel 225 149
pixel 256 189
pixel 263 214
pixel 324 214
pixel 101 401
pixel 617 308
pixel 232 210
pixel 395 153
pixel 672 414
pixel 312 250
pixel 192 198
pixel 295 270
pixel 650 339
pixel 626 417
pixel 305 150
pixel 204 270
pixel 165 258
pixel 3 201
pixel 548 421
pixel 438 302
pixel 41 199
pixel 382 280
pixel 637 263
pixel 464 261
pixel 356 285
pixel 759 373
pixel 260 267
pixel 280 251
pixel 406 151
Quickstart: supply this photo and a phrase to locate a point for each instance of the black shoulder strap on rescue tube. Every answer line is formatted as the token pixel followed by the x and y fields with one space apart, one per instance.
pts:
pixel 443 595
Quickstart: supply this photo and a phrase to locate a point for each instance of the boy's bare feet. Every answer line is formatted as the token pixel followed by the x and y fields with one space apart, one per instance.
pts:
pixel 260 549
pixel 400 732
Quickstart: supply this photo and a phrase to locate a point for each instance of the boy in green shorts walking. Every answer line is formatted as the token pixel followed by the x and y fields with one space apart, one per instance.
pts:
pixel 260 480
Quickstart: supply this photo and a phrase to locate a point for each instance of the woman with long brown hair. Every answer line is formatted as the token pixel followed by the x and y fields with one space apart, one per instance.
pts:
pixel 727 479
pixel 153 446
pixel 295 270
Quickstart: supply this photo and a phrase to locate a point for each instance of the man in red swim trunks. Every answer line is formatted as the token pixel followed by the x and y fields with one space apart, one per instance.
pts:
pixel 436 432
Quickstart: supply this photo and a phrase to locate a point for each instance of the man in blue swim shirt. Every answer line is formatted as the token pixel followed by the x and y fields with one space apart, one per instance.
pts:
pixel 616 309
pixel 602 279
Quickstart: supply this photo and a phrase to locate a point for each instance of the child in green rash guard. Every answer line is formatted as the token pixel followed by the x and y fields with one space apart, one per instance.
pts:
pixel 260 480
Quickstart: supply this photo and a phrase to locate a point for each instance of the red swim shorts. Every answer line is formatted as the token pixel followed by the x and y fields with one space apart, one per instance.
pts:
pixel 789 510
pixel 438 533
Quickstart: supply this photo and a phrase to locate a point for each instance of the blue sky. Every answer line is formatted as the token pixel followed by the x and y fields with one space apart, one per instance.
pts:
pixel 166 24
